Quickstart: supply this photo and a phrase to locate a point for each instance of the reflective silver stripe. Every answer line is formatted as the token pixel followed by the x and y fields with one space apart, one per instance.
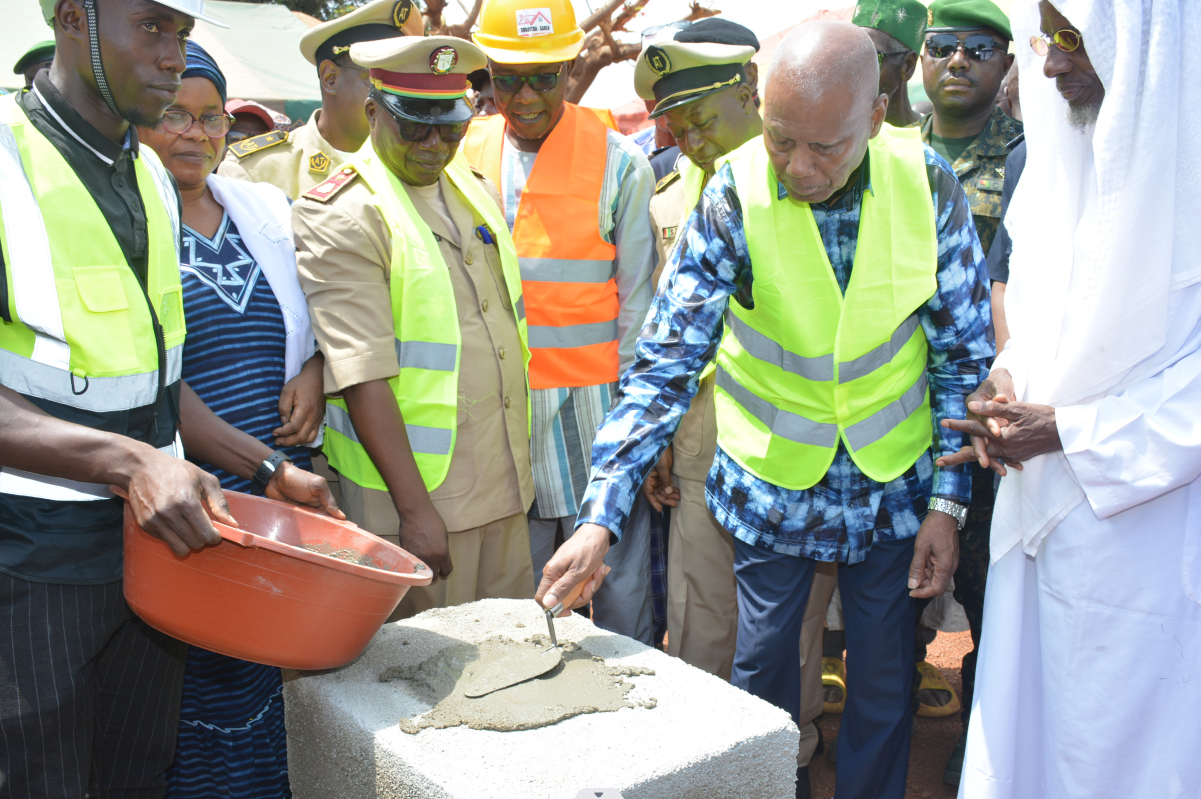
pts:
pixel 99 394
pixel 57 489
pixel 429 440
pixel 573 335
pixel 426 355
pixel 562 270
pixel 521 307
pixel 166 192
pixel 35 294
pixel 425 440
pixel 883 421
pixel 760 346
pixel 780 422
pixel 338 420
pixel 871 361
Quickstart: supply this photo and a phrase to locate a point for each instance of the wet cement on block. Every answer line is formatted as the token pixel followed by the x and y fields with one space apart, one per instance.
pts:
pixel 580 683
pixel 704 739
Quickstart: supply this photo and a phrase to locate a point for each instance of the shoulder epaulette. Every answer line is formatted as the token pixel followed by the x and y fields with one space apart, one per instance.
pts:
pixel 324 191
pixel 256 143
pixel 668 179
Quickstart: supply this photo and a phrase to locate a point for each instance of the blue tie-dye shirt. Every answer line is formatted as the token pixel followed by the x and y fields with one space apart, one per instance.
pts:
pixel 840 517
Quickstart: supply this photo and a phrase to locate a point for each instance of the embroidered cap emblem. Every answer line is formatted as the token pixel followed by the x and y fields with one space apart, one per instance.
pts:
pixel 443 60
pixel 401 12
pixel 657 60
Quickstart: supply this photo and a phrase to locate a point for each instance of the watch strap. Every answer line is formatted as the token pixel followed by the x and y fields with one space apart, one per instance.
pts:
pixel 956 510
pixel 266 471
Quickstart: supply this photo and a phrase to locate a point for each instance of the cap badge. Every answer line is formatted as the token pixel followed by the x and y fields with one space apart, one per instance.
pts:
pixel 929 17
pixel 401 12
pixel 443 60
pixel 319 163
pixel 657 60
pixel 534 22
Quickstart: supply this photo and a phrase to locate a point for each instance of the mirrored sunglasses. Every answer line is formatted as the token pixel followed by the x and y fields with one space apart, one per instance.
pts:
pixel 179 122
pixel 1066 40
pixel 977 46
pixel 511 84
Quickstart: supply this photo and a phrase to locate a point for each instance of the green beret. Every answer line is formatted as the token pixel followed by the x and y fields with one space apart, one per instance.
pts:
pixel 39 52
pixel 903 20
pixel 961 15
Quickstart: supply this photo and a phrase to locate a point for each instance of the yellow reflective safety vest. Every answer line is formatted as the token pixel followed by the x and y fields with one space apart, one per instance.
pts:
pixel 426 321
pixel 84 340
pixel 807 366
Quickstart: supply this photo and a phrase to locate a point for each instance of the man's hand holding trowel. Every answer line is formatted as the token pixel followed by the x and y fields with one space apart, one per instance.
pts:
pixel 581 559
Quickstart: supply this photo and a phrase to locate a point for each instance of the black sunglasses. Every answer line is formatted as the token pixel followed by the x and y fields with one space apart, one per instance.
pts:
pixel 420 131
pixel 542 82
pixel 977 46
pixel 880 55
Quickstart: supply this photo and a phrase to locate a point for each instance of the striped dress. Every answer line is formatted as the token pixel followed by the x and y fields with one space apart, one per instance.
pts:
pixel 231 732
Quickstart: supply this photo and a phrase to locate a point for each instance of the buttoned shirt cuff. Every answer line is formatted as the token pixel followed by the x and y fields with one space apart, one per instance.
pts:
pixel 954 483
pixel 596 510
pixel 360 369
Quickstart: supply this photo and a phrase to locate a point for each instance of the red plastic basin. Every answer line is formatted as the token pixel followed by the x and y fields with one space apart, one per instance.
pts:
pixel 257 596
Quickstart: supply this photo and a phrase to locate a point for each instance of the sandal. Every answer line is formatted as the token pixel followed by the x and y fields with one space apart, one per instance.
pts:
pixel 834 684
pixel 938 698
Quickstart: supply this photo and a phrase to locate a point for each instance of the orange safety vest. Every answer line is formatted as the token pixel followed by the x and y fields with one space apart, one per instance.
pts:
pixel 567 278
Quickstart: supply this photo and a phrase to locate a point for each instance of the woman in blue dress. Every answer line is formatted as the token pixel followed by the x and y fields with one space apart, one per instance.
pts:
pixel 250 355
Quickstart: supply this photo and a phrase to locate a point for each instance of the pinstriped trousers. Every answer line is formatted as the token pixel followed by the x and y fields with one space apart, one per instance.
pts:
pixel 89 694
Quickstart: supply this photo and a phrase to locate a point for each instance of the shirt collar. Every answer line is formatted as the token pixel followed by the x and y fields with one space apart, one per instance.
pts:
pixel 862 182
pixel 50 99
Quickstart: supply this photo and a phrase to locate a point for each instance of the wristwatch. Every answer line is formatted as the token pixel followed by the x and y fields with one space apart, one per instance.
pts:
pixel 954 509
pixel 266 471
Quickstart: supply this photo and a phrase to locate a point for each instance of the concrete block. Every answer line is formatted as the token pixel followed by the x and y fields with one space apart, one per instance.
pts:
pixel 703 739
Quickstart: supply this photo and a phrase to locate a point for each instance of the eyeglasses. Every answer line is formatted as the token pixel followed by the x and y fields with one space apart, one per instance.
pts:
pixel 880 56
pixel 977 46
pixel 542 82
pixel 1066 40
pixel 418 131
pixel 179 122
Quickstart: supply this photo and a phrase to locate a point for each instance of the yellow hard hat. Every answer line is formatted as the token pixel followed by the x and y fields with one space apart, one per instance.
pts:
pixel 529 31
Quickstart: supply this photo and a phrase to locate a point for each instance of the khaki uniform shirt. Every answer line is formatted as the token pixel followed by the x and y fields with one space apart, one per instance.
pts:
pixel 293 161
pixel 695 442
pixel 344 257
pixel 981 170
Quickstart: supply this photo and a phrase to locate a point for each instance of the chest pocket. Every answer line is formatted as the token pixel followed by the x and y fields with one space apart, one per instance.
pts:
pixel 101 313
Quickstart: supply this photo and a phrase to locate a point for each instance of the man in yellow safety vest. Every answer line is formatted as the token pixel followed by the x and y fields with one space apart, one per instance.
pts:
pixel 832 268
pixel 91 400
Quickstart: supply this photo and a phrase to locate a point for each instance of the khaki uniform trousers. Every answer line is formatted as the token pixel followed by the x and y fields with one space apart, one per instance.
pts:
pixel 702 604
pixel 490 562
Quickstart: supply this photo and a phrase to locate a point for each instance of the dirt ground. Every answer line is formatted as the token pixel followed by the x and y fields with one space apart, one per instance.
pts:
pixel 932 741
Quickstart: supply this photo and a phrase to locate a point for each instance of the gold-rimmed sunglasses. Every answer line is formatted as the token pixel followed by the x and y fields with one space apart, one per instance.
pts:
pixel 1066 40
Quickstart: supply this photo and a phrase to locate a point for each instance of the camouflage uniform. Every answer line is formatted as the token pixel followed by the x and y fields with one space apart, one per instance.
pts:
pixel 981 170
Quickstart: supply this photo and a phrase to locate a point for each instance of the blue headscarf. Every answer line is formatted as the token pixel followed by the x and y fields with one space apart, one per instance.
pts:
pixel 202 65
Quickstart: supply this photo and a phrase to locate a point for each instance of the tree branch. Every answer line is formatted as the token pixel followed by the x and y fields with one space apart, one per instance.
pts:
pixel 604 12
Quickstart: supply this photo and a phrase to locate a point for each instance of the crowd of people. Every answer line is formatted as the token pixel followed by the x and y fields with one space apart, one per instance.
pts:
pixel 760 363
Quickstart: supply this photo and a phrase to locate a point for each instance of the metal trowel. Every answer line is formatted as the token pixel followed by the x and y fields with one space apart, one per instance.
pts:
pixel 523 664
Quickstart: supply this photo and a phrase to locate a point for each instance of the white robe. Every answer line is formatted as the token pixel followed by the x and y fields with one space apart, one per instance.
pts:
pixel 1088 682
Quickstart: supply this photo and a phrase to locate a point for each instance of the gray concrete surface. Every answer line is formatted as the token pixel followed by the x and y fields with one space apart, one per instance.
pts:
pixel 703 739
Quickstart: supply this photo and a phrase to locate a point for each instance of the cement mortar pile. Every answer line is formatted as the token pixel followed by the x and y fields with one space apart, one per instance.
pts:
pixel 677 733
pixel 582 683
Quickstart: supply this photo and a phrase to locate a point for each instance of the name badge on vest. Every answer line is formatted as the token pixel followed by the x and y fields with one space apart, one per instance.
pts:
pixel 669 233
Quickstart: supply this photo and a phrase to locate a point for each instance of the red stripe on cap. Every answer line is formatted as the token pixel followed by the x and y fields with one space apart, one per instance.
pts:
pixel 422 83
